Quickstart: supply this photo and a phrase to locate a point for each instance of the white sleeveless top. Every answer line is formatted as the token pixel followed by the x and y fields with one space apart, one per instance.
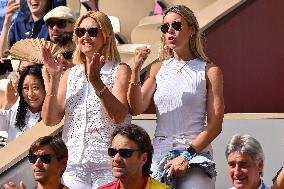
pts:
pixel 88 127
pixel 181 102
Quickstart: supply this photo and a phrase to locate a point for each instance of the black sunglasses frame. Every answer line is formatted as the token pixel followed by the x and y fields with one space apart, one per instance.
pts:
pixel 67 55
pixel 59 23
pixel 165 27
pixel 123 152
pixel 45 158
pixel 92 32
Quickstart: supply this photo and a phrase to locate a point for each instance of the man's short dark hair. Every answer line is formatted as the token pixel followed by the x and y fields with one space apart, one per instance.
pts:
pixel 55 143
pixel 141 138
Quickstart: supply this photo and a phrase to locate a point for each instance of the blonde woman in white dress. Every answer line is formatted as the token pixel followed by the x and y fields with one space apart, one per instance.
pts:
pixel 187 90
pixel 92 96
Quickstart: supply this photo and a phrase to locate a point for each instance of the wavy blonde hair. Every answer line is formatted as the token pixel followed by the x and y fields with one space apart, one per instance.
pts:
pixel 109 50
pixel 195 41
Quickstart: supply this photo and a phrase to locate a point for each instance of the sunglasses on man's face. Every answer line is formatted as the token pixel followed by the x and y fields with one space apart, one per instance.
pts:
pixel 67 55
pixel 46 158
pixel 165 27
pixel 123 152
pixel 80 32
pixel 59 23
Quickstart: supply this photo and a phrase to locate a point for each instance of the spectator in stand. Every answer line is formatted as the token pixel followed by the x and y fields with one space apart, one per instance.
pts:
pixel 59 20
pixel 48 156
pixel 26 113
pixel 65 41
pixel 187 89
pixel 11 93
pixel 245 162
pixel 31 25
pixel 131 155
pixel 92 96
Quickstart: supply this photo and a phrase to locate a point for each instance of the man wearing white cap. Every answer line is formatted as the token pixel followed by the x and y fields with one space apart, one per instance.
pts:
pixel 59 20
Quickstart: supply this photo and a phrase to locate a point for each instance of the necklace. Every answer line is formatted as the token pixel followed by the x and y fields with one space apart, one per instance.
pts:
pixel 179 71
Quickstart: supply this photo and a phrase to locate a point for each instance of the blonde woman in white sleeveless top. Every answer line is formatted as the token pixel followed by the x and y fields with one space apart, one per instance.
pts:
pixel 92 96
pixel 187 90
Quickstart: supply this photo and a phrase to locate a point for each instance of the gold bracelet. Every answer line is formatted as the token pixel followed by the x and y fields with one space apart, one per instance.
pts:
pixel 99 93
pixel 136 84
pixel 47 94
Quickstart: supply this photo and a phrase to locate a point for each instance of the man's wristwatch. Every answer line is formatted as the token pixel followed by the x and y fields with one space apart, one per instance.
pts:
pixel 99 93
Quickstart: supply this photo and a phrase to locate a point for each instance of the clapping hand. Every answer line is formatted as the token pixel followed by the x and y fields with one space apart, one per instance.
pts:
pixel 53 66
pixel 12 185
pixel 11 94
pixel 93 72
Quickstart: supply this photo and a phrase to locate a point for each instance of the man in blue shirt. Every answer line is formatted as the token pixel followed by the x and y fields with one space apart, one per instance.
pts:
pixel 30 25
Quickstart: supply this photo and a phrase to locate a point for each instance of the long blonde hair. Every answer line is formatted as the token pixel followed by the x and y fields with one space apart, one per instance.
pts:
pixel 109 50
pixel 195 41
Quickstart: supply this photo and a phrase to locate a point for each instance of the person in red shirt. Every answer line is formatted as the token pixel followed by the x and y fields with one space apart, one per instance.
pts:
pixel 131 154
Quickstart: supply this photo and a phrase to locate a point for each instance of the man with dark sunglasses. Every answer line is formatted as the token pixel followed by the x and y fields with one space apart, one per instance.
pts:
pixel 131 154
pixel 48 156
pixel 59 20
pixel 65 41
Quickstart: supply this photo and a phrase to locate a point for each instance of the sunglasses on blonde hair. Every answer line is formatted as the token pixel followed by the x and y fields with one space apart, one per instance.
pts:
pixel 165 27
pixel 80 32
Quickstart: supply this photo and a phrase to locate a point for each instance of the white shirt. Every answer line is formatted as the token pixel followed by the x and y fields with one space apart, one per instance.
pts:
pixel 8 120
pixel 87 125
pixel 181 104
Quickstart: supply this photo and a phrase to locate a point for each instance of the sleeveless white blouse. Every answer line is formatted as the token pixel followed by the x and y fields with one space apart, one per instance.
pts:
pixel 88 127
pixel 181 103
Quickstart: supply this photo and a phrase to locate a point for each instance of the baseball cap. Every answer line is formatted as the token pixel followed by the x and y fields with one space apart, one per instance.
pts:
pixel 62 13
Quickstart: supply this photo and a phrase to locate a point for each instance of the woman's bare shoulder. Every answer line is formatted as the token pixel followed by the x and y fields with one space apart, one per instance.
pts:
pixel 212 70
pixel 155 67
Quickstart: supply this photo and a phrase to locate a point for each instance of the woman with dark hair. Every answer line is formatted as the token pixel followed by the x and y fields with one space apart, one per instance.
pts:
pixel 26 112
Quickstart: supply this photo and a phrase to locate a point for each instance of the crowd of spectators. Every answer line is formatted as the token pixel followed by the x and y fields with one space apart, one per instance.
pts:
pixel 89 86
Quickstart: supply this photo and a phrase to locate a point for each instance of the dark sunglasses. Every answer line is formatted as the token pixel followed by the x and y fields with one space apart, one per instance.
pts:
pixel 59 23
pixel 123 152
pixel 67 55
pixel 46 158
pixel 175 25
pixel 80 32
